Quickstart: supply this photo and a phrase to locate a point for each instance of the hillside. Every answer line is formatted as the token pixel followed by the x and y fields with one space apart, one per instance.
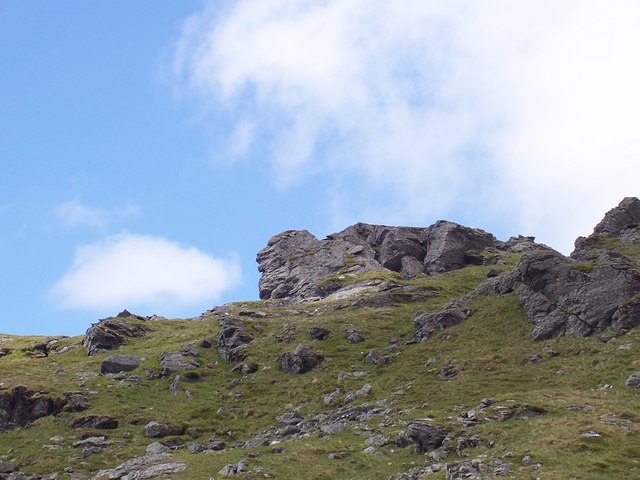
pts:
pixel 378 352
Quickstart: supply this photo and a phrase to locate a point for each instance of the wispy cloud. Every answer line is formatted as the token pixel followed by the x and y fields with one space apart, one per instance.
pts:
pixel 139 271
pixel 74 214
pixel 523 110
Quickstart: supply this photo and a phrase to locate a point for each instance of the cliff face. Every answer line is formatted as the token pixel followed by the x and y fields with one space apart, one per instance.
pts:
pixel 597 286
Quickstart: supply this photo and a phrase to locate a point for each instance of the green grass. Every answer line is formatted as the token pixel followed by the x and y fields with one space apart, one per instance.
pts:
pixel 489 350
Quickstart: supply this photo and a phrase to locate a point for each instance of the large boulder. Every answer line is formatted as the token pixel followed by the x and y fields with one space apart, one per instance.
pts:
pixel 448 246
pixel 301 360
pixel 120 363
pixel 109 334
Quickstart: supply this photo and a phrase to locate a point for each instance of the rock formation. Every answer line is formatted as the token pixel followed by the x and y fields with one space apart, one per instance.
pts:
pixel 295 264
pixel 109 334
pixel 21 406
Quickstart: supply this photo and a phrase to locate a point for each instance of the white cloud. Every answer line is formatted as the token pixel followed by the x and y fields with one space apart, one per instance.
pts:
pixel 525 110
pixel 139 271
pixel 74 214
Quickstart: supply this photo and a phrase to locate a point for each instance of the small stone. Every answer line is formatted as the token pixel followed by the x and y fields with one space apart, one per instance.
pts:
pixel 527 461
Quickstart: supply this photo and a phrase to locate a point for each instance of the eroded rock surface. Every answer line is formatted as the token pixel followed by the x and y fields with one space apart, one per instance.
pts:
pixel 232 339
pixel 120 363
pixel 301 360
pixel 596 287
pixel 21 406
pixel 426 435
pixel 109 334
pixel 295 264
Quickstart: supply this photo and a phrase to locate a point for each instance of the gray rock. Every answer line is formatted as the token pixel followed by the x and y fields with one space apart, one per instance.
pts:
pixel 76 402
pixel 6 467
pixel 333 428
pixel 331 397
pixel 172 362
pixel 155 448
pixel 626 214
pixel 216 444
pixel 354 336
pixel 402 243
pixel 109 334
pixel 143 467
pixel 296 265
pixel 375 358
pixel 447 244
pixel 633 381
pixel 319 333
pixel 425 324
pixel 376 441
pixel 232 340
pixel 301 360
pixel 92 442
pixel 234 468
pixel 120 363
pixel 426 435
pixel 287 333
pixel 576 297
pixel 477 468
pixel 156 429
pixel 100 422
pixel 21 406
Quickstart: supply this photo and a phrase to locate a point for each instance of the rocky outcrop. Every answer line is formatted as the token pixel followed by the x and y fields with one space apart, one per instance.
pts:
pixel 100 422
pixel 232 340
pixel 596 287
pixel 172 362
pixel 449 246
pixel 301 360
pixel 145 466
pixel 426 435
pixel 425 324
pixel 21 406
pixel 109 334
pixel 565 297
pixel 626 215
pixel 295 264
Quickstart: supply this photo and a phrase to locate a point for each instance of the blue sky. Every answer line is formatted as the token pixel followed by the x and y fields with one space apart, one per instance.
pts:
pixel 150 149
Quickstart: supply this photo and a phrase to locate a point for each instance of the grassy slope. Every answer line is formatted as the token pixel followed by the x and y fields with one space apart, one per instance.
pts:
pixel 490 350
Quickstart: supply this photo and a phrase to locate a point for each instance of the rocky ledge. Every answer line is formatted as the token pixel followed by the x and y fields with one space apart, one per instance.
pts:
pixel 596 287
